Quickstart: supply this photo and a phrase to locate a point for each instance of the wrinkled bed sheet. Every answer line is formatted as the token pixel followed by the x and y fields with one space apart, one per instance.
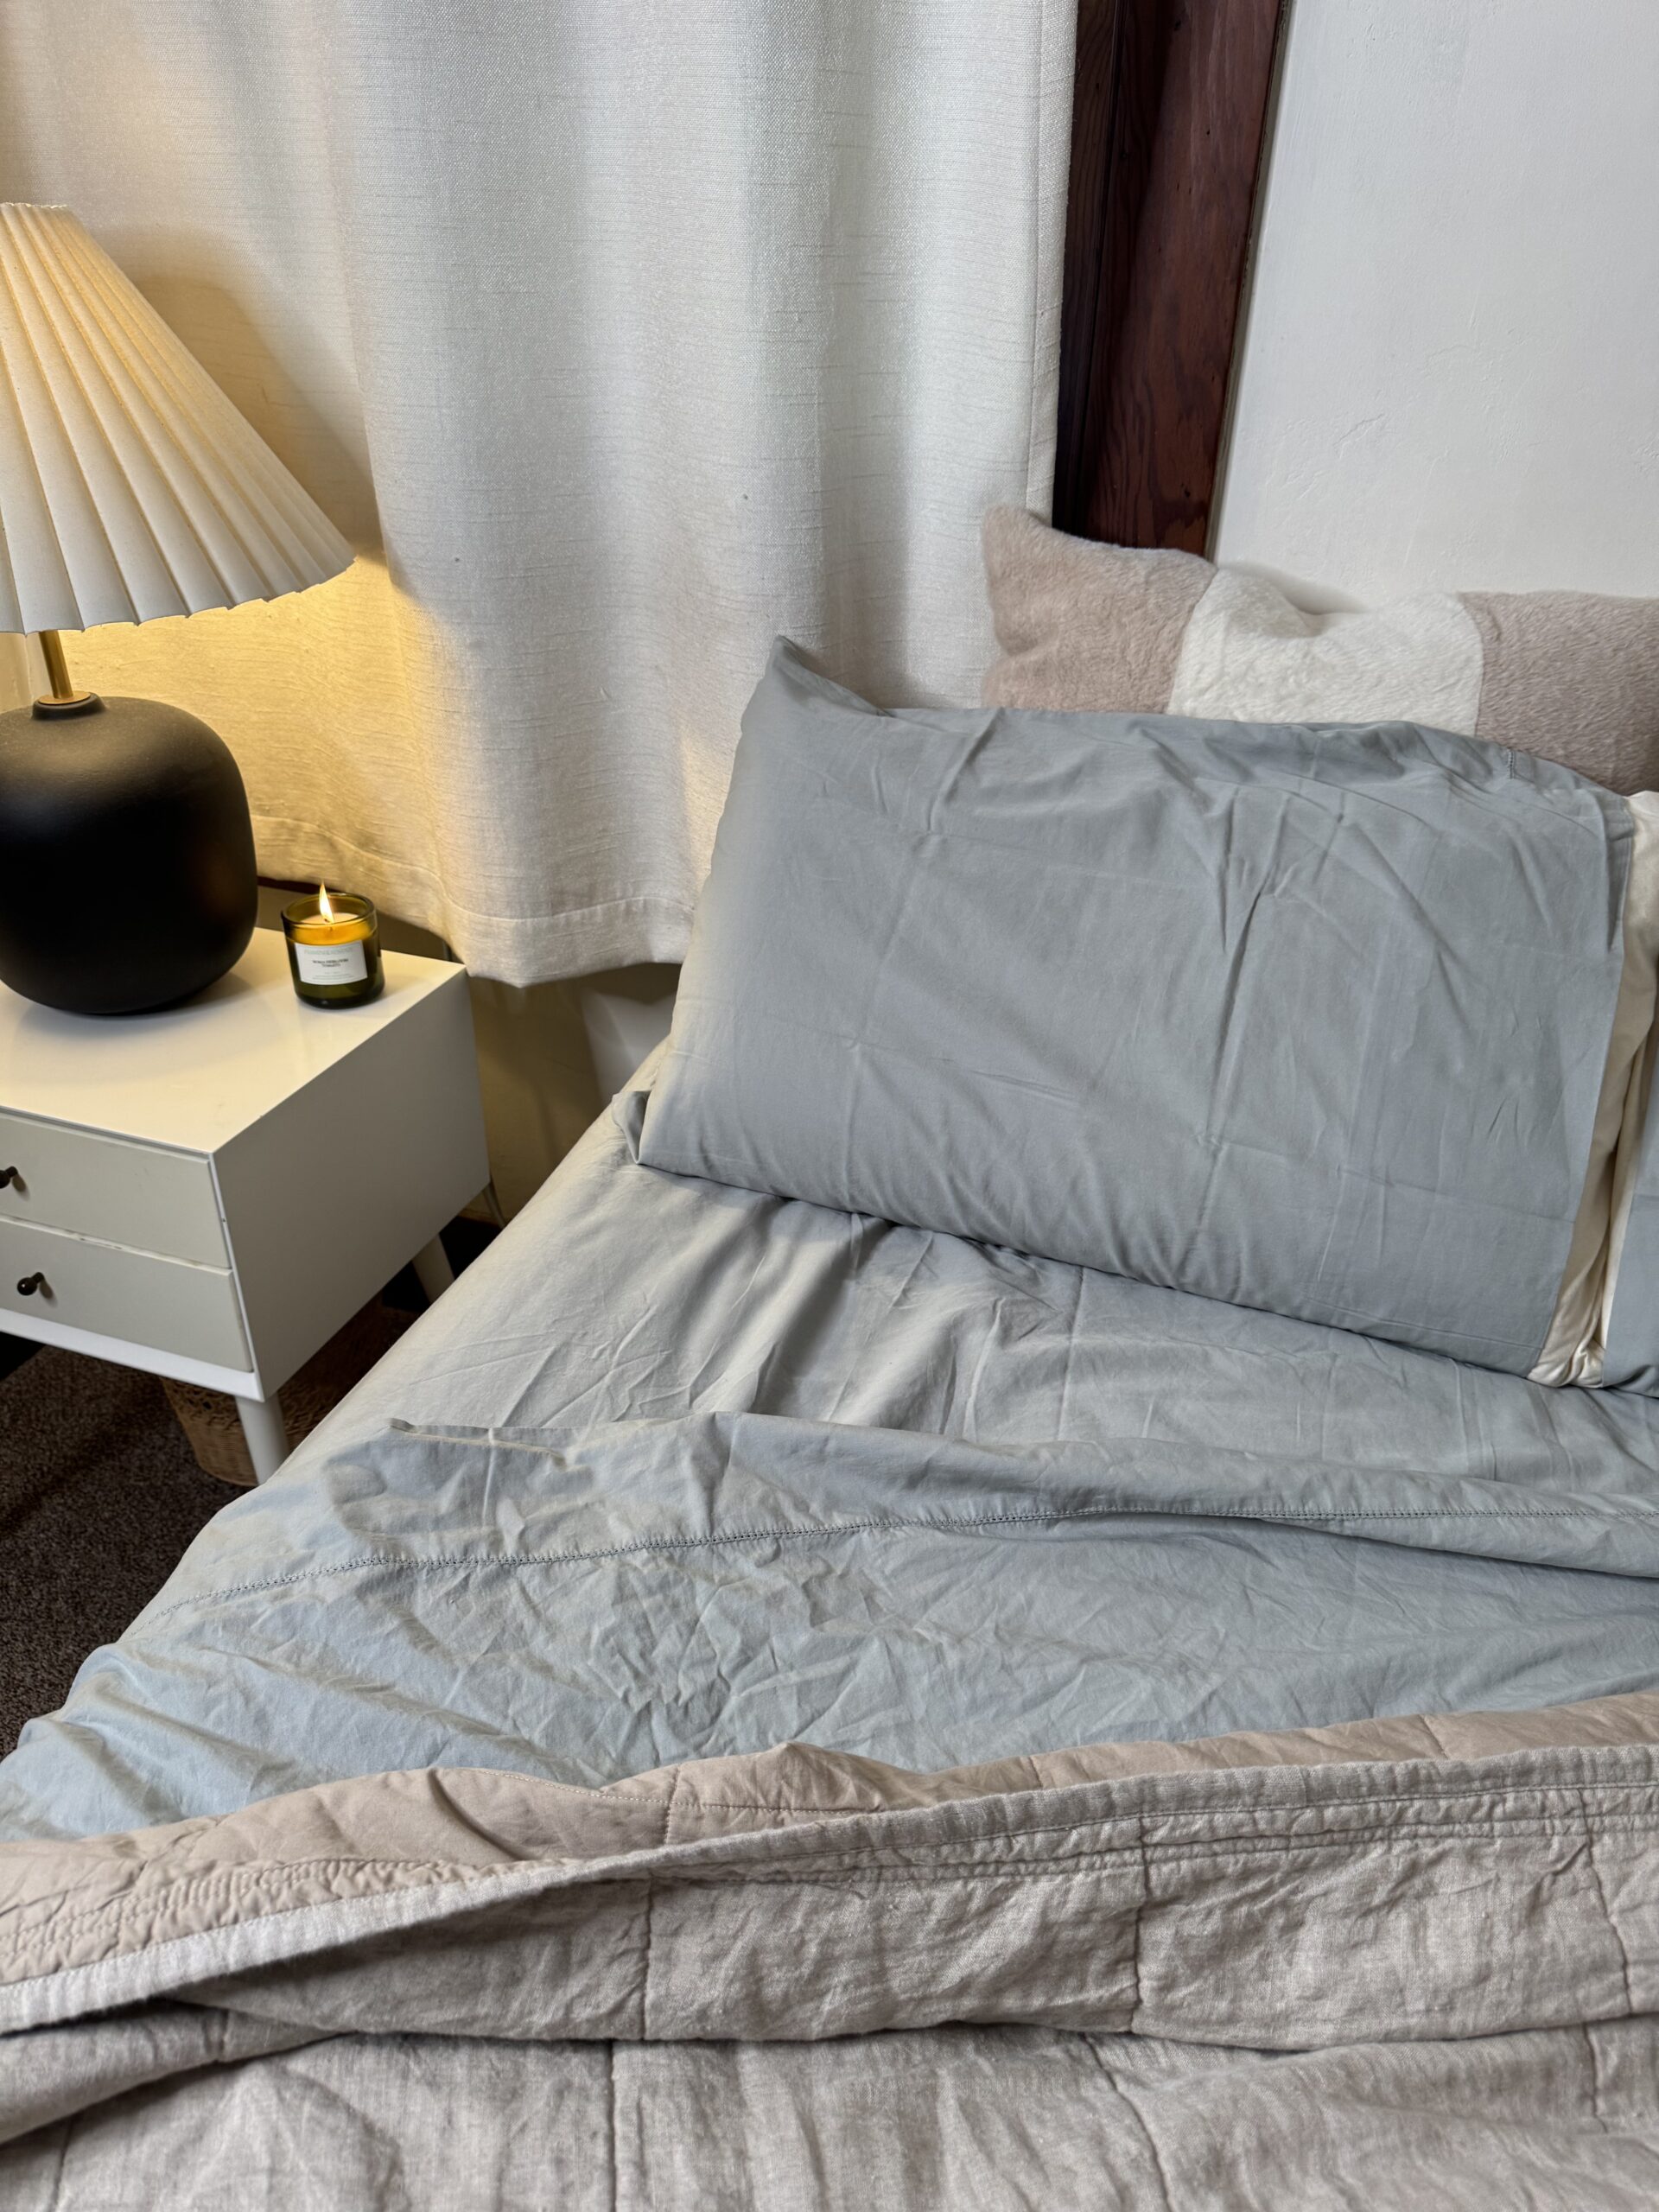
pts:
pixel 881 1490
pixel 724 1633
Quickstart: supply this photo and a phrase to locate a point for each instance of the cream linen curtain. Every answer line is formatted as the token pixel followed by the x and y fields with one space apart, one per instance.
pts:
pixel 617 336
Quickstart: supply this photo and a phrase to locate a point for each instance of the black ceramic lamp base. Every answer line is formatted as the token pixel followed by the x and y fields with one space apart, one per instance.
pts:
pixel 127 876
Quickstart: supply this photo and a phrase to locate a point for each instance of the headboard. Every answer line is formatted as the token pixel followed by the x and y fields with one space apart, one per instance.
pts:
pixel 1170 120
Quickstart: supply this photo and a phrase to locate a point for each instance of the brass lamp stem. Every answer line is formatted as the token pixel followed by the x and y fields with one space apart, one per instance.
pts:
pixel 63 693
pixel 57 667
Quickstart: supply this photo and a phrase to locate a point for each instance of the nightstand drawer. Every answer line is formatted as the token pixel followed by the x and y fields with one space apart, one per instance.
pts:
pixel 99 1187
pixel 137 1296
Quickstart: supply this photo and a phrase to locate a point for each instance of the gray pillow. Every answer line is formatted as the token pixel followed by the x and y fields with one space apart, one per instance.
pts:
pixel 1337 1021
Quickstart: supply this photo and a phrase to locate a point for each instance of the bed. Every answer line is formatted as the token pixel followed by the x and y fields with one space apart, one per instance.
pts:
pixel 407 1597
pixel 751 1702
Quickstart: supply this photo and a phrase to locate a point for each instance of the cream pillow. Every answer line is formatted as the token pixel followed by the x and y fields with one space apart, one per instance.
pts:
pixel 1570 675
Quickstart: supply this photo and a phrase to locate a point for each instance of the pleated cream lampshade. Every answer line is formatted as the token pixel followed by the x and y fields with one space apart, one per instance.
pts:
pixel 129 487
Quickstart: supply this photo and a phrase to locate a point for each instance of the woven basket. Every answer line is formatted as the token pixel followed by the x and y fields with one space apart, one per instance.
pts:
pixel 209 1418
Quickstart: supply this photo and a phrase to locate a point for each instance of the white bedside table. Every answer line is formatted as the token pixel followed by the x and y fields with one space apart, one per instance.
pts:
pixel 210 1192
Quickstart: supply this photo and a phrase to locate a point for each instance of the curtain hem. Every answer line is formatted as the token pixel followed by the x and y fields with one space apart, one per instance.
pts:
pixel 515 949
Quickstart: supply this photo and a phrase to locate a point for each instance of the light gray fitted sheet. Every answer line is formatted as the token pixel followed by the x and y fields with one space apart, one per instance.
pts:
pixel 388 1605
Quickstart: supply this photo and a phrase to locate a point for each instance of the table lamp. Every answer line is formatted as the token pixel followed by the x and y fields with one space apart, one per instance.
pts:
pixel 130 488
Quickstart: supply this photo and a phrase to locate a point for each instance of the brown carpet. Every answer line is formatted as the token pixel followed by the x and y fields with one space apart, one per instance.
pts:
pixel 98 1497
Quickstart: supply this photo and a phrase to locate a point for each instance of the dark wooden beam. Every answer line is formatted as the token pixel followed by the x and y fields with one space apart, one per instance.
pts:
pixel 1168 134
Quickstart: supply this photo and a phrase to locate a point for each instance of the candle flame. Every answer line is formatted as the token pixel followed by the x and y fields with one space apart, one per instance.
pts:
pixel 324 906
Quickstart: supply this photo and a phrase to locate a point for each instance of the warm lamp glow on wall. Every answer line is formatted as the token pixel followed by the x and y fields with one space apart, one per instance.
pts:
pixel 130 488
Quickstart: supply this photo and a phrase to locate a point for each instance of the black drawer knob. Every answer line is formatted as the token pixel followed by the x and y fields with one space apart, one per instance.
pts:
pixel 29 1285
pixel 6 1175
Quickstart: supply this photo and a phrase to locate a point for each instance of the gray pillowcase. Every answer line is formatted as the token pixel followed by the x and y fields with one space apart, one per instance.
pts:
pixel 1314 1018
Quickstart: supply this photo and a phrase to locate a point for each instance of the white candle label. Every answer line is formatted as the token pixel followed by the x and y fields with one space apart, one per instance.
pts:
pixel 331 963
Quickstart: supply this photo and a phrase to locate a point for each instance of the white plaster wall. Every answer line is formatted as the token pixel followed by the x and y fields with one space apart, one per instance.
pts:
pixel 1450 375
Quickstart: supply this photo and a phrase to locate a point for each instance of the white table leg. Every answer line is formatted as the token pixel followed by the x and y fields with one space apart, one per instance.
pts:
pixel 262 1424
pixel 432 1267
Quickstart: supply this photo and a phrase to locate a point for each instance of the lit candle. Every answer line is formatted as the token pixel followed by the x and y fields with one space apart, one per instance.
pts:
pixel 334 948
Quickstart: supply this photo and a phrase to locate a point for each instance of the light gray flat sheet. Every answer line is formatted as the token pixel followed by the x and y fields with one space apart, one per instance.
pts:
pixel 379 1607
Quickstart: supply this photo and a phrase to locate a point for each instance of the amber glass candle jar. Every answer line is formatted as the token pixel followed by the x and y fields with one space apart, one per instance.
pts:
pixel 334 948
